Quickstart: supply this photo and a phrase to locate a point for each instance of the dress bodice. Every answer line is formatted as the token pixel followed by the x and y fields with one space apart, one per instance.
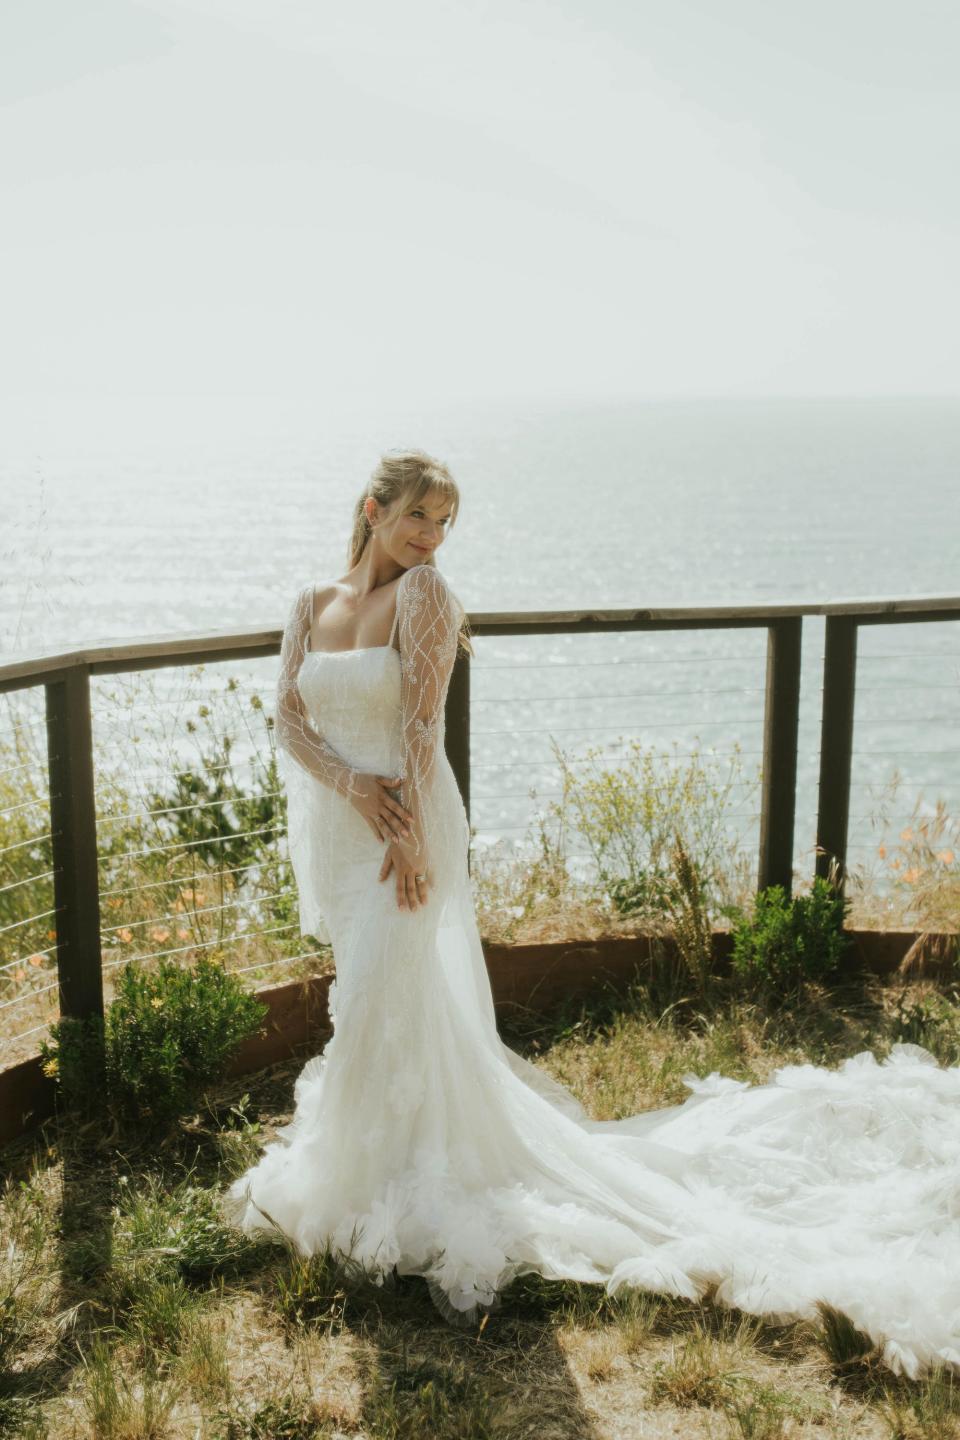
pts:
pixel 353 699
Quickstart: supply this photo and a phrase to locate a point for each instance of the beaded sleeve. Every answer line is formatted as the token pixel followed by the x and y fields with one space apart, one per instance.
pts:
pixel 294 731
pixel 429 617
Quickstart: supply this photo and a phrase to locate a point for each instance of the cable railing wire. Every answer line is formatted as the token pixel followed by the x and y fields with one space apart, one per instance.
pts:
pixel 196 844
pixel 28 995
pixel 27 880
pixel 617 695
pixel 28 920
pixel 178 917
pixel 22 844
pixel 181 809
pixel 240 938
pixel 206 877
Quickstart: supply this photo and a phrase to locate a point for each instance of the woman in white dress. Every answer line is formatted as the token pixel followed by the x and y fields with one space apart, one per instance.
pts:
pixel 421 1144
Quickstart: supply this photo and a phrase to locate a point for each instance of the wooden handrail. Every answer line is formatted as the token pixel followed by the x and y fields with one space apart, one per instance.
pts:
pixel 20 672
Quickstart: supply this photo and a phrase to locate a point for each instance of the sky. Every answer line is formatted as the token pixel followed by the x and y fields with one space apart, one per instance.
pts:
pixel 301 204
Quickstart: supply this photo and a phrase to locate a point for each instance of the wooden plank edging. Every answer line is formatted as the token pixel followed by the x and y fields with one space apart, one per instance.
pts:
pixel 529 977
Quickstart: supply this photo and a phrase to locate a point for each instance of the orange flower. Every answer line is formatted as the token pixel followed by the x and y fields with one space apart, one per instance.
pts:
pixel 19 974
pixel 882 851
pixel 906 834
pixel 912 875
pixel 51 934
pixel 125 934
pixel 35 960
pixel 946 857
pixel 183 934
pixel 160 932
pixel 894 864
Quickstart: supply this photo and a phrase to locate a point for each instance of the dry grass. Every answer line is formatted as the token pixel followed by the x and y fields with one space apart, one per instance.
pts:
pixel 127 1312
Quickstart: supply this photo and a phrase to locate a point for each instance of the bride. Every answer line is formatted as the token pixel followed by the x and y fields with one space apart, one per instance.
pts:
pixel 420 1143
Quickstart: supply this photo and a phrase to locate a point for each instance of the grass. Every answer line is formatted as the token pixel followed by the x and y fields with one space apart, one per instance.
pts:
pixel 128 1310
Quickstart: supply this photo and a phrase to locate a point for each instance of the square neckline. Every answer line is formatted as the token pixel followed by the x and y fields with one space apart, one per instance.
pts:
pixel 356 649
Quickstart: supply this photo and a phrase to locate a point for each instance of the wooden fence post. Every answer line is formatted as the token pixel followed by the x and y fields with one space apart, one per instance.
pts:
pixel 73 830
pixel 781 720
pixel 836 745
pixel 457 725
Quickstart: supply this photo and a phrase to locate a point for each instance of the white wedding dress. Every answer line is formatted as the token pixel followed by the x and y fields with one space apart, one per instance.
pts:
pixel 420 1141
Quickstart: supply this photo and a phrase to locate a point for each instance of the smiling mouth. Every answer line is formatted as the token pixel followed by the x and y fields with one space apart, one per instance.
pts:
pixel 422 548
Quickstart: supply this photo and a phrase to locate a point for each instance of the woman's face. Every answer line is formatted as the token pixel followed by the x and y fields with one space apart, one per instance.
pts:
pixel 414 532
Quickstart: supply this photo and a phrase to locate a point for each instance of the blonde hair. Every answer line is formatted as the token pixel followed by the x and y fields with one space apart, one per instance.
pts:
pixel 400 480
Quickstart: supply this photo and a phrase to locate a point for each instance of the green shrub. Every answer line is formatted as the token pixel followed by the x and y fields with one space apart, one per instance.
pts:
pixel 632 814
pixel 167 1035
pixel 787 942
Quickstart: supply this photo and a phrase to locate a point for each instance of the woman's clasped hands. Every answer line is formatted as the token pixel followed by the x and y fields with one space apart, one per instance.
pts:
pixel 411 872
pixel 390 821
pixel 370 796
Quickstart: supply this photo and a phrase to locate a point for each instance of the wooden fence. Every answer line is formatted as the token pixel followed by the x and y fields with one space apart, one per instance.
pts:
pixel 66 678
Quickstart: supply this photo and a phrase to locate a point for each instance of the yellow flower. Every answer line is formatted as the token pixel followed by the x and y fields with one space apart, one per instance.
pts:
pixel 51 1067
pixel 156 1002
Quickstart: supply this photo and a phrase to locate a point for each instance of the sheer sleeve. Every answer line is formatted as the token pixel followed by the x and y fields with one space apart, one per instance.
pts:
pixel 295 734
pixel 429 617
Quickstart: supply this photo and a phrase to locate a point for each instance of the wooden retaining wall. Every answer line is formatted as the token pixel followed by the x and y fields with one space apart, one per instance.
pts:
pixel 538 978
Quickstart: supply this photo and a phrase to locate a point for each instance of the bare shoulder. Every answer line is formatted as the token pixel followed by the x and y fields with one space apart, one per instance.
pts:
pixel 322 592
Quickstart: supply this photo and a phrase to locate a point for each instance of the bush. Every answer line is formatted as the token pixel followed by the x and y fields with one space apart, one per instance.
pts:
pixel 167 1035
pixel 785 943
pixel 634 813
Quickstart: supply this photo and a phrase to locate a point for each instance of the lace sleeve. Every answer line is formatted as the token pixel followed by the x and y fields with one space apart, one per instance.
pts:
pixel 429 616
pixel 294 732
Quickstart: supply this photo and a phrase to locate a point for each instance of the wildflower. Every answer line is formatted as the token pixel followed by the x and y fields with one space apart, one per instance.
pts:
pixel 183 934
pixel 946 857
pixel 125 934
pixel 35 960
pixel 51 934
pixel 19 974
pixel 906 834
pixel 912 875
pixel 156 1002
pixel 123 1179
pixel 160 933
pixel 882 851
pixel 51 1066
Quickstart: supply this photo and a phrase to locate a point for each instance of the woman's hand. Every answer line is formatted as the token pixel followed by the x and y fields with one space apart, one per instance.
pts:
pixel 371 798
pixel 411 892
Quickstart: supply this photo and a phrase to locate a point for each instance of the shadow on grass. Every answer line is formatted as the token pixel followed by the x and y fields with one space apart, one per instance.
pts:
pixel 419 1375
